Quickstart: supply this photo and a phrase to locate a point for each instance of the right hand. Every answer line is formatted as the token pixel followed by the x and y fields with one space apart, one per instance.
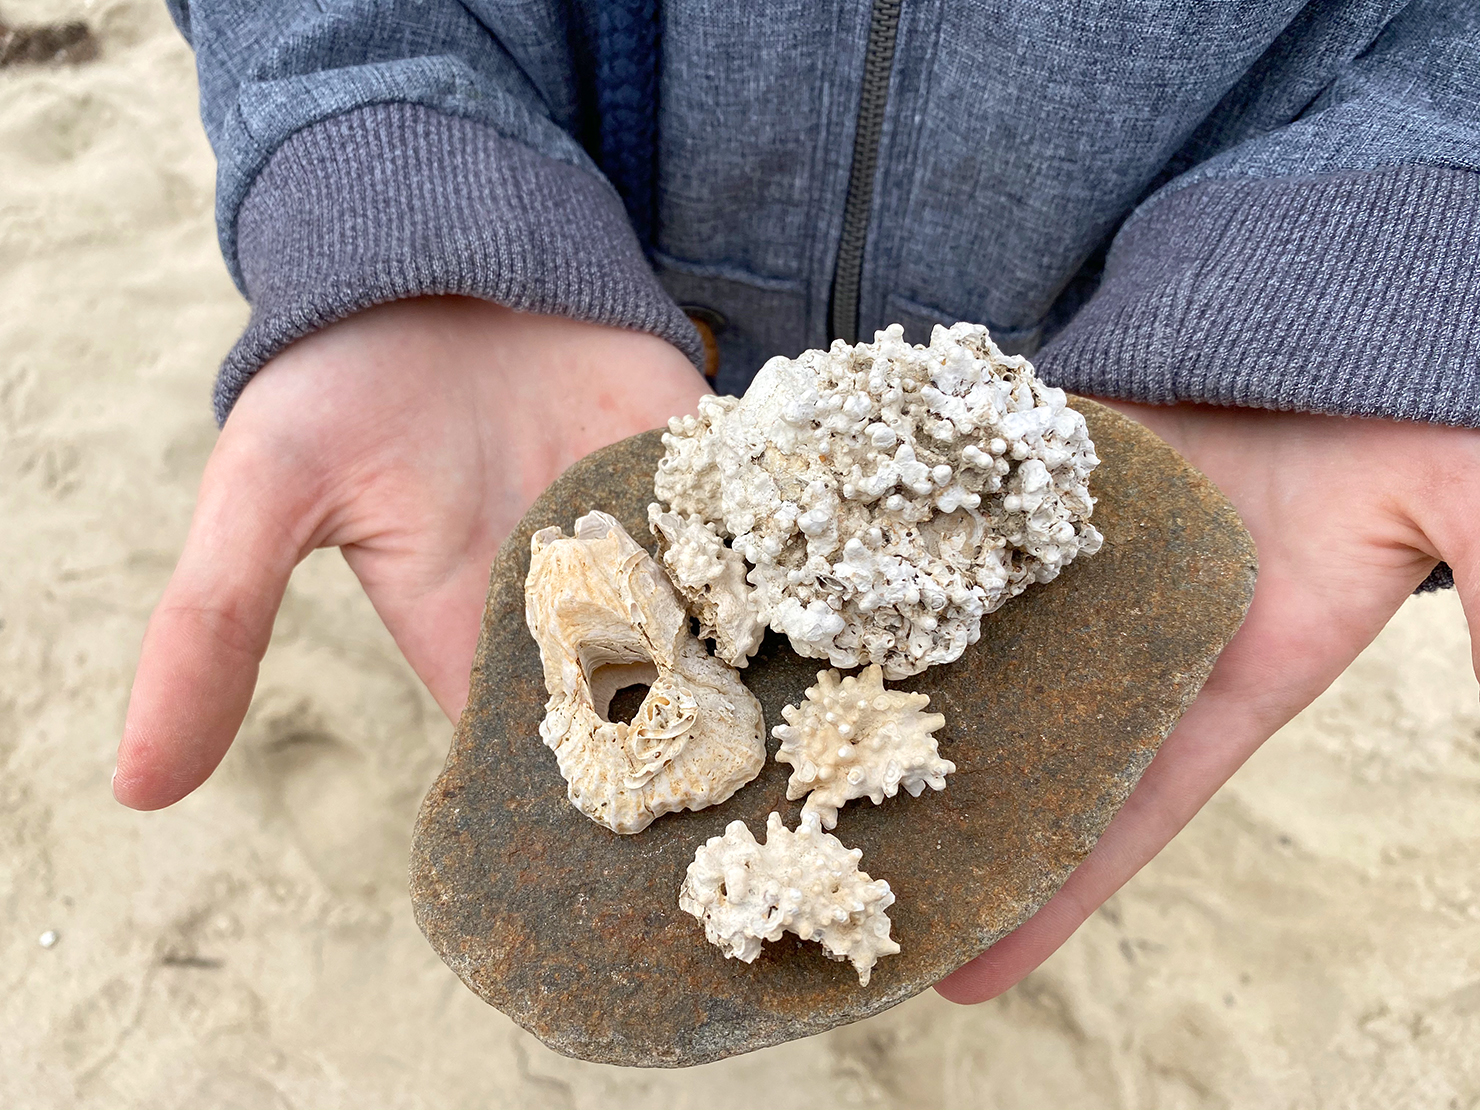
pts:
pixel 1349 515
pixel 412 436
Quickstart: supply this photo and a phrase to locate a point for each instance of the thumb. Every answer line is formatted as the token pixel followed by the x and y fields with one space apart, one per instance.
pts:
pixel 198 665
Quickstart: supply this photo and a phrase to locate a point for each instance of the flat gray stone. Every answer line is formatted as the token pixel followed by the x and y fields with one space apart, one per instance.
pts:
pixel 575 932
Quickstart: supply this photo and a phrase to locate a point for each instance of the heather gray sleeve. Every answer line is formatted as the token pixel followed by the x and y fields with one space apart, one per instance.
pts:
pixel 382 149
pixel 1329 265
pixel 399 200
pixel 1352 293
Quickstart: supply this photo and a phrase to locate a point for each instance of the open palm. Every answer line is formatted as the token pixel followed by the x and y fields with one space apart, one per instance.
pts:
pixel 1348 516
pixel 412 436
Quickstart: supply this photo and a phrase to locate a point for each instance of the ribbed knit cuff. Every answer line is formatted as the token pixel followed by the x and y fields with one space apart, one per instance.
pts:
pixel 398 200
pixel 1354 293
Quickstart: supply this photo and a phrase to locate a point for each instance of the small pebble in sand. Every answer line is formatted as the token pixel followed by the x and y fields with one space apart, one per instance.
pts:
pixel 48 938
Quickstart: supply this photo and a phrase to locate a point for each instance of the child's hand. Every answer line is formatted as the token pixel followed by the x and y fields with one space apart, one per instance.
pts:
pixel 1348 516
pixel 413 436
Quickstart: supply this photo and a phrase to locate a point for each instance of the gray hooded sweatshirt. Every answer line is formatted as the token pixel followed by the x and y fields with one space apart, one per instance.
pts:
pixel 1270 203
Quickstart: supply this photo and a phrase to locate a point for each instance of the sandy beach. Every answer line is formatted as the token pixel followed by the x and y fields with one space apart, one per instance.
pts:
pixel 1312 940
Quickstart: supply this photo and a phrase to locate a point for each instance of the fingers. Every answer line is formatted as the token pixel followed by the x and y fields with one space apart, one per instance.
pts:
pixel 1193 762
pixel 1465 563
pixel 1457 541
pixel 1297 638
pixel 198 665
pixel 1448 513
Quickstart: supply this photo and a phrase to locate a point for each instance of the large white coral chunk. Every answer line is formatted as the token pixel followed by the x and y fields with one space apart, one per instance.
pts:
pixel 851 738
pixel 605 617
pixel 886 496
pixel 804 882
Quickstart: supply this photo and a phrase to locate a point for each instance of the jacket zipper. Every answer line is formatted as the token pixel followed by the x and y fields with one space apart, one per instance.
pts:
pixel 877 63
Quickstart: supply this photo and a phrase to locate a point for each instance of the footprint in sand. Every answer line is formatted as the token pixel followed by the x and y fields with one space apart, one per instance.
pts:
pixel 55 126
pixel 328 796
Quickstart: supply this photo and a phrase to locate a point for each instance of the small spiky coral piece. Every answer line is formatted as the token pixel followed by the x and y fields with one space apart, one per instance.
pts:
pixel 804 882
pixel 852 738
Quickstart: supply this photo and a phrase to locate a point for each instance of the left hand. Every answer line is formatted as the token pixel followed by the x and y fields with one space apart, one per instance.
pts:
pixel 1349 516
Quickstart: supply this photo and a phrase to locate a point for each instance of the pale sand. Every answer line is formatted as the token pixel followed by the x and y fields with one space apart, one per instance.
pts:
pixel 1312 940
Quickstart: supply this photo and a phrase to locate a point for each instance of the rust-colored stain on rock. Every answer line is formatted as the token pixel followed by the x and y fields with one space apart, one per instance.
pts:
pixel 575 932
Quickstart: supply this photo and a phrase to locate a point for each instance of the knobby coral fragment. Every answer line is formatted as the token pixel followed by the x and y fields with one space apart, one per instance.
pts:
pixel 885 497
pixel 805 882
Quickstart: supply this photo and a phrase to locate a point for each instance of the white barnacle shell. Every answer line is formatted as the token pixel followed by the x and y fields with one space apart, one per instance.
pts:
pixel 851 738
pixel 804 882
pixel 885 497
pixel 712 577
pixel 605 616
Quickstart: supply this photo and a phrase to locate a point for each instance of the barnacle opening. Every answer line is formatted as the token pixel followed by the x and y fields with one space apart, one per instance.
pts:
pixel 607 680
pixel 626 703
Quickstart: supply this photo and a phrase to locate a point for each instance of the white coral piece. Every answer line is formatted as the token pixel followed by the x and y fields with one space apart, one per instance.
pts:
pixel 804 882
pixel 887 496
pixel 712 577
pixel 851 738
pixel 605 616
